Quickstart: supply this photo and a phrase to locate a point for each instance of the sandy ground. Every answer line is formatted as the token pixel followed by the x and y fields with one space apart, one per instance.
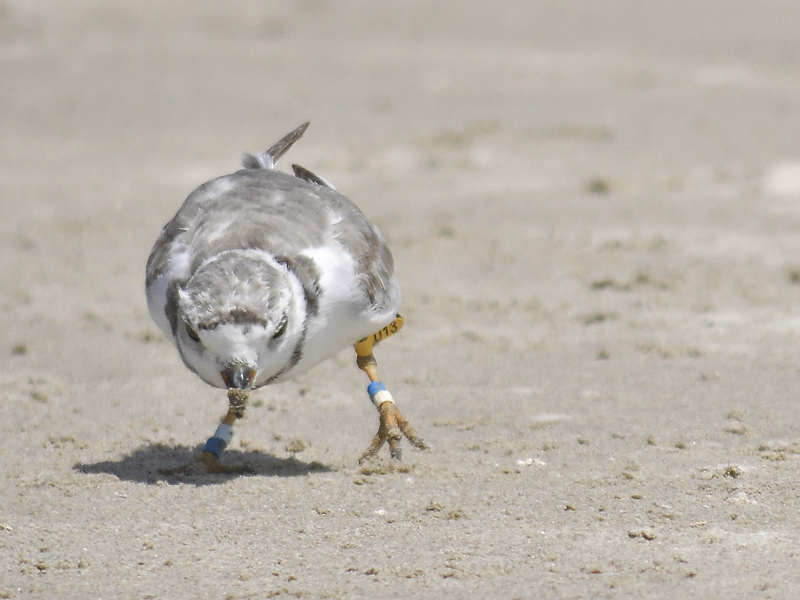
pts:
pixel 594 209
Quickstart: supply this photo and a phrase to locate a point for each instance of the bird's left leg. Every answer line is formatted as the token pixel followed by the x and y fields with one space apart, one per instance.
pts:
pixel 393 425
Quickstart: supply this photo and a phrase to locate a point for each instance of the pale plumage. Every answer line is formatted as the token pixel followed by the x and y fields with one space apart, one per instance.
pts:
pixel 261 275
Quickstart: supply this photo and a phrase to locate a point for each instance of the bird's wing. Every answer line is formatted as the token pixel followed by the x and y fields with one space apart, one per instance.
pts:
pixel 168 268
pixel 306 175
pixel 271 211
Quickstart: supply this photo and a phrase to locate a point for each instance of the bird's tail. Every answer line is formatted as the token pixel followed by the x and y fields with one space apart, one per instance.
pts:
pixel 268 159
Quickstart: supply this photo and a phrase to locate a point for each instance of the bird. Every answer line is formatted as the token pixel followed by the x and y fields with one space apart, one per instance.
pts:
pixel 261 275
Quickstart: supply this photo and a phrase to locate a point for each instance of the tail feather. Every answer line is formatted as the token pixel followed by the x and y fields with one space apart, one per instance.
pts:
pixel 268 159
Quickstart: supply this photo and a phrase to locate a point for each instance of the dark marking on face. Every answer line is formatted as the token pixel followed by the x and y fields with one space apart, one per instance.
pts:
pixel 305 269
pixel 237 316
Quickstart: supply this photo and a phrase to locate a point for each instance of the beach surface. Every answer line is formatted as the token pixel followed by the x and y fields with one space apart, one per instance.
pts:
pixel 594 210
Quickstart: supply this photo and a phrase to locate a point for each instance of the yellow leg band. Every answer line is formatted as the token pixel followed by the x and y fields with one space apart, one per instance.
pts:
pixel 364 347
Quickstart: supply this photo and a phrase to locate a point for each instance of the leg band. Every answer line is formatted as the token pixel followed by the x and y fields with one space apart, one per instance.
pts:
pixel 379 394
pixel 222 437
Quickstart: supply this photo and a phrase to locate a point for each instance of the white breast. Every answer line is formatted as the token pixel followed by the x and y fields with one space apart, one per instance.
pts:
pixel 345 314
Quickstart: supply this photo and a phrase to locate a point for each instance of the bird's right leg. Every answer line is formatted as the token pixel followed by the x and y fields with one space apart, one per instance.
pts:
pixel 216 444
pixel 208 460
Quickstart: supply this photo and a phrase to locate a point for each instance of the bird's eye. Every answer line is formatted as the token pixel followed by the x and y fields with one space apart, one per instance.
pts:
pixel 192 333
pixel 280 330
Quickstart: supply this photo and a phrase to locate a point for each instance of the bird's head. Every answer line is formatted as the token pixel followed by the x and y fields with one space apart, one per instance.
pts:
pixel 238 321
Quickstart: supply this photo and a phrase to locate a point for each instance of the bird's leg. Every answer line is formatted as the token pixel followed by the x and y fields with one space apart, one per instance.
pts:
pixel 216 444
pixel 393 425
pixel 208 461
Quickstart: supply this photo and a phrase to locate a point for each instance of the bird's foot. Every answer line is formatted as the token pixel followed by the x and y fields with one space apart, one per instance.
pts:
pixel 210 463
pixel 208 460
pixel 207 463
pixel 393 427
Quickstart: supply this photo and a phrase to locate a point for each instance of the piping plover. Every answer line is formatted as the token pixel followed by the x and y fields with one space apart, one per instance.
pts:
pixel 261 275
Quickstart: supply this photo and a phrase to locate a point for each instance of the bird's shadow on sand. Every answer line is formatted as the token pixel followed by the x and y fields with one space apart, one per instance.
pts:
pixel 156 463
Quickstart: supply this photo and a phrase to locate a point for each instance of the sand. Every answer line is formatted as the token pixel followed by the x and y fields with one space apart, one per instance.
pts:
pixel 594 210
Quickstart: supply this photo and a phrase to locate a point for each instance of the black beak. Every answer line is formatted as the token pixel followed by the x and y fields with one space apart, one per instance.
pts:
pixel 238 376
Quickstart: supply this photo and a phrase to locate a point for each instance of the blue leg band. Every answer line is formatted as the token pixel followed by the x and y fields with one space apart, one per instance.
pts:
pixel 375 387
pixel 222 437
pixel 378 394
pixel 215 446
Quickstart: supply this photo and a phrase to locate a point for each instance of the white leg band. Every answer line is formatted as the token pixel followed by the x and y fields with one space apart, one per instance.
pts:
pixel 380 397
pixel 225 433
